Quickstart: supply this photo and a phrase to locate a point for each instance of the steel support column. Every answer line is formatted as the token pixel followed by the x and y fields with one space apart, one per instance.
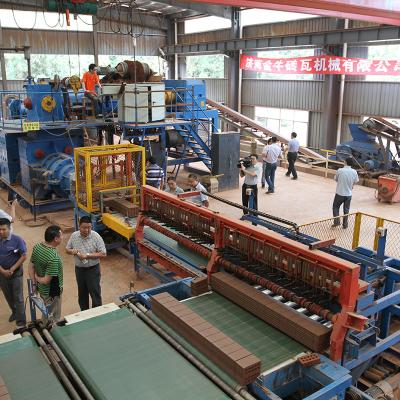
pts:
pixel 3 63
pixel 95 40
pixel 234 72
pixel 172 59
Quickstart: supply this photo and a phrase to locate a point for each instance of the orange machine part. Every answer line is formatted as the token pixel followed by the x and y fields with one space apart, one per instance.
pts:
pixel 389 188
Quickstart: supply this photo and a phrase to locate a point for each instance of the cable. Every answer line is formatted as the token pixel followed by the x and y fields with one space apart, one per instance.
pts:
pixel 34 22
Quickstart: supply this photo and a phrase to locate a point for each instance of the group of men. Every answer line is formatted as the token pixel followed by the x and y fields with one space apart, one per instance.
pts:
pixel 46 267
pixel 345 177
pixel 155 177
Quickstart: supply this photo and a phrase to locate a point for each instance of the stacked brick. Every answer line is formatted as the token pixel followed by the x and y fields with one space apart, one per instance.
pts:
pixel 4 395
pixel 294 324
pixel 199 286
pixel 243 366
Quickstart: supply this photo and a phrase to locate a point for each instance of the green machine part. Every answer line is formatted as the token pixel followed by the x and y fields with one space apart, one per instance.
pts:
pixel 26 373
pixel 119 357
pixel 82 8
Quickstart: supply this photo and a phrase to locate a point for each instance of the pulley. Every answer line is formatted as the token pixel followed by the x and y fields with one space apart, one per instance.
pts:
pixel 48 103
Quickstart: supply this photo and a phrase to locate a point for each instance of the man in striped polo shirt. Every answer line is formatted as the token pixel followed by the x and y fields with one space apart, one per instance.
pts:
pixel 154 174
pixel 46 270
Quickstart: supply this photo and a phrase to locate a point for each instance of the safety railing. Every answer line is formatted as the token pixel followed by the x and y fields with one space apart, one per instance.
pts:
pixel 361 232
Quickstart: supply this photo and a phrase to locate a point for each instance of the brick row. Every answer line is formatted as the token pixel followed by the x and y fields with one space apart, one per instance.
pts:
pixel 243 366
pixel 199 286
pixel 296 325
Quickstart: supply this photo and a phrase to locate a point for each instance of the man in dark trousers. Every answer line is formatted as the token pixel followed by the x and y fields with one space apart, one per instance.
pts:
pixel 12 256
pixel 345 177
pixel 87 247
pixel 293 148
pixel 251 176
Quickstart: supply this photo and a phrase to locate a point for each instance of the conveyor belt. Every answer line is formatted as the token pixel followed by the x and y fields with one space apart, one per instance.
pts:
pixel 187 255
pixel 266 342
pixel 119 357
pixel 26 373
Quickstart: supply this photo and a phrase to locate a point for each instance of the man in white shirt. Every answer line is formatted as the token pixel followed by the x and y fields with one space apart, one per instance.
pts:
pixel 251 175
pixel 293 148
pixel 271 153
pixel 269 142
pixel 195 185
pixel 345 177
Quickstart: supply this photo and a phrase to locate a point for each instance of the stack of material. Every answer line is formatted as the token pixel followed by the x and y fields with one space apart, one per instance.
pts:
pixel 4 395
pixel 299 327
pixel 125 207
pixel 231 357
pixel 199 286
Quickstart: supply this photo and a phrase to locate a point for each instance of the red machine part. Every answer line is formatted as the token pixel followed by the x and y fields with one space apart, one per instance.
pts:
pixel 389 188
pixel 380 11
pixel 28 103
pixel 228 233
pixel 39 153
pixel 68 150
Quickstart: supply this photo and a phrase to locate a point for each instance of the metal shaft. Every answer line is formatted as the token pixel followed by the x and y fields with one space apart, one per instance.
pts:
pixel 140 312
pixel 61 374
pixel 68 366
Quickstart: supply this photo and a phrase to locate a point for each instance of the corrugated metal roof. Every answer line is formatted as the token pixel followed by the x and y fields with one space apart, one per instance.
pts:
pixel 217 89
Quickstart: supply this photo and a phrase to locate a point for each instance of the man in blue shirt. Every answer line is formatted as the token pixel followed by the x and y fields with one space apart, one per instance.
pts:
pixel 293 148
pixel 12 256
pixel 345 177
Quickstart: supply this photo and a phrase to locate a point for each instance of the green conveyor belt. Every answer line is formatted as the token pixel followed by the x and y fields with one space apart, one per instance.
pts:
pixel 270 345
pixel 119 357
pixel 26 373
pixel 171 244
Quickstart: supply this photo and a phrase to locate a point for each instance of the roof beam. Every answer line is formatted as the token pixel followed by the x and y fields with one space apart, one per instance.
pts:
pixel 315 39
pixel 379 11
pixel 209 9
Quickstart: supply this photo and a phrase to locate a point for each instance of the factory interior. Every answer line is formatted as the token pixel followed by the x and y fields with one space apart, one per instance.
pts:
pixel 199 200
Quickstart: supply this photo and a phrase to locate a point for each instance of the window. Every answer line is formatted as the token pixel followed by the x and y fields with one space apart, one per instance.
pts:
pixel 156 63
pixel 206 24
pixel 44 20
pixel 284 121
pixel 205 66
pixel 291 53
pixel 46 65
pixel 389 52
pixel 254 16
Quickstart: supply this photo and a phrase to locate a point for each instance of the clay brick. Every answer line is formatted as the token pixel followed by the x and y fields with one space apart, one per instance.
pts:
pixel 301 328
pixel 213 343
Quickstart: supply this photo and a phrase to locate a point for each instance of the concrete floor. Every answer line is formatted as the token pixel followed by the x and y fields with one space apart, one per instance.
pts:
pixel 305 200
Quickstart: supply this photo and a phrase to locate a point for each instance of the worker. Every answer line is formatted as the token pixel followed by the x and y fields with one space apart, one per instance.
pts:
pixel 12 256
pixel 345 177
pixel 264 161
pixel 91 85
pixel 271 153
pixel 87 247
pixel 46 270
pixel 293 148
pixel 154 173
pixel 11 216
pixel 195 185
pixel 251 175
pixel 172 187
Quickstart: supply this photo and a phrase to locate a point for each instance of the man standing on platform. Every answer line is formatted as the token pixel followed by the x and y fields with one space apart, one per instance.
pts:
pixel 88 247
pixel 293 148
pixel 91 84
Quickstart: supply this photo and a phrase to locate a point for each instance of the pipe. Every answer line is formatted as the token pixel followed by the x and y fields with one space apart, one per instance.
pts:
pixel 232 392
pixel 61 374
pixel 82 387
pixel 341 92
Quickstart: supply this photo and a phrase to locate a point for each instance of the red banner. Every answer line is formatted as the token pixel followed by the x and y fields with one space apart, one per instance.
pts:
pixel 320 65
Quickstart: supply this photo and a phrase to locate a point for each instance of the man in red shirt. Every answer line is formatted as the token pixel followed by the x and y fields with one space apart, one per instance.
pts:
pixel 91 82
